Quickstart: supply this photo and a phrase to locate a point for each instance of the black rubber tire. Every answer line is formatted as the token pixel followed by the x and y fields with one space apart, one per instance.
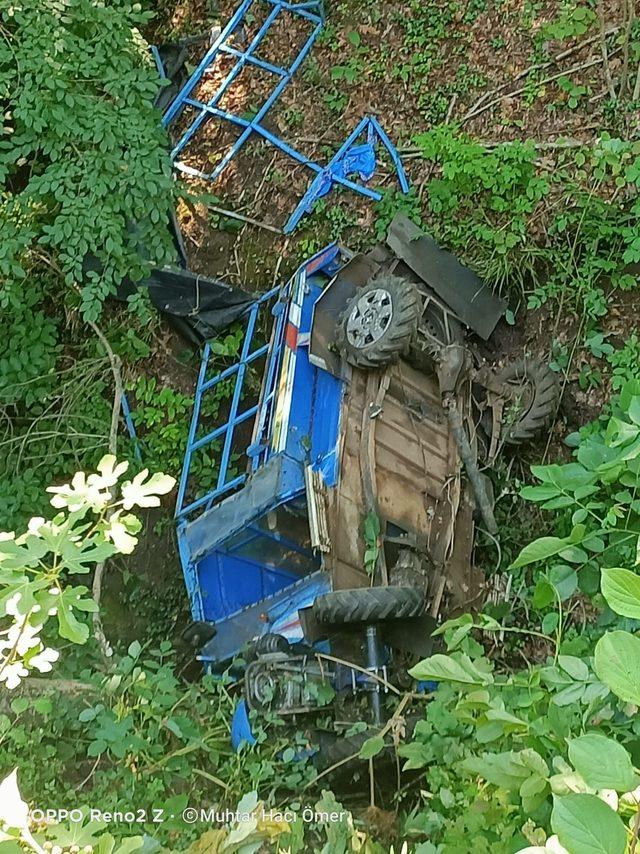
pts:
pixel 369 605
pixel 541 396
pixel 397 338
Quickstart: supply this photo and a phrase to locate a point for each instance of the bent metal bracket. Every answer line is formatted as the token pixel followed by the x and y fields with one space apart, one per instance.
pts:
pixel 356 157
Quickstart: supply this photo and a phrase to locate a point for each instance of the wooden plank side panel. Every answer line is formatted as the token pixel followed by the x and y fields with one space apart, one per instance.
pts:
pixel 415 463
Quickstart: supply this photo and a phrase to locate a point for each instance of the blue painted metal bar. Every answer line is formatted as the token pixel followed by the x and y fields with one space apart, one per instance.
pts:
pixel 253 60
pixel 230 371
pixel 131 429
pixel 235 400
pixel 211 496
pixel 273 97
pixel 301 9
pixel 330 175
pixel 195 417
pixel 158 61
pixel 393 153
pixel 231 76
pixel 222 429
pixel 247 357
pixel 176 106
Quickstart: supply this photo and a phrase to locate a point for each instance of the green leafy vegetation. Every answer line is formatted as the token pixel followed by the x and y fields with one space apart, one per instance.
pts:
pixel 566 234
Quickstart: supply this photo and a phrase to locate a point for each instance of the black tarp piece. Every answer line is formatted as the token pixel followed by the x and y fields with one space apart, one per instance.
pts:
pixel 197 307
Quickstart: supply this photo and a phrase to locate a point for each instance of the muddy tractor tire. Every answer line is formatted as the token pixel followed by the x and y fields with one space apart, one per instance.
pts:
pixel 535 396
pixel 379 323
pixel 369 605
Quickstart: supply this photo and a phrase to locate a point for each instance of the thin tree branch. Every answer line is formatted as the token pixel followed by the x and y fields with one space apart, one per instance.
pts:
pixel 480 106
pixel 629 15
pixel 114 361
pixel 603 50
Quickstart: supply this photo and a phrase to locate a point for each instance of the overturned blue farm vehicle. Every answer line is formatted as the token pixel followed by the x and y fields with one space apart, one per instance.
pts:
pixel 347 472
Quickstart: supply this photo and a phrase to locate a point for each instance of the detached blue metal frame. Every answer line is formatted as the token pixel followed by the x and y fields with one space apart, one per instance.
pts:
pixel 310 11
pixel 349 159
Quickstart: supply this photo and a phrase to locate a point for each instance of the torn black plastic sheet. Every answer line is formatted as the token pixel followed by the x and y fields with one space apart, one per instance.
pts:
pixel 197 307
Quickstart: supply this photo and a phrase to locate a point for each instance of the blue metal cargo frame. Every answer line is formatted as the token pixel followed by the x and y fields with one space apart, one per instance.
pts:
pixel 225 483
pixel 310 11
pixel 349 159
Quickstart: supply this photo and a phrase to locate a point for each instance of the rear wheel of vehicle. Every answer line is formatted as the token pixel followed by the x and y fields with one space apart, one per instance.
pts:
pixel 532 402
pixel 380 322
pixel 369 605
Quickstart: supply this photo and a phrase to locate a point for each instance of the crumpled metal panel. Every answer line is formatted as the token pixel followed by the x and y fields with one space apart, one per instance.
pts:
pixel 468 296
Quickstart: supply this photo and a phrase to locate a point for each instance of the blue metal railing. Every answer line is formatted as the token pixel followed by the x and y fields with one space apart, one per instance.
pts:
pixel 311 11
pixel 227 480
pixel 351 158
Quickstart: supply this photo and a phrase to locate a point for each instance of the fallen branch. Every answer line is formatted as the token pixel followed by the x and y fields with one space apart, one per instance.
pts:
pixel 583 65
pixel 414 151
pixel 243 218
pixel 603 50
pixel 480 106
pixel 629 16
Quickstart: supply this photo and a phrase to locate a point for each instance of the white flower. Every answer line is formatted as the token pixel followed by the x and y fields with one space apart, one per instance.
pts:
pixel 116 531
pixel 12 674
pixel 11 605
pixel 610 797
pixel 43 660
pixel 109 470
pixel 35 525
pixel 137 493
pixel 80 492
pixel 632 797
pixel 13 810
pixel 552 846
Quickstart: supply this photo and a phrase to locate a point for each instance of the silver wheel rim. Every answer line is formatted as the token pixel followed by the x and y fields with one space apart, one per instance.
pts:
pixel 370 318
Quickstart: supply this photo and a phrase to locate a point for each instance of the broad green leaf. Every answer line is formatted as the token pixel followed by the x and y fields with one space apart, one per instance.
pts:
pixel 546 547
pixel 617 664
pixel 564 579
pixel 543 492
pixel 507 770
pixel 621 589
pixel 457 668
pixel 586 825
pixel 371 747
pixel 135 648
pixel 602 762
pixel 574 666
pixel 68 626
